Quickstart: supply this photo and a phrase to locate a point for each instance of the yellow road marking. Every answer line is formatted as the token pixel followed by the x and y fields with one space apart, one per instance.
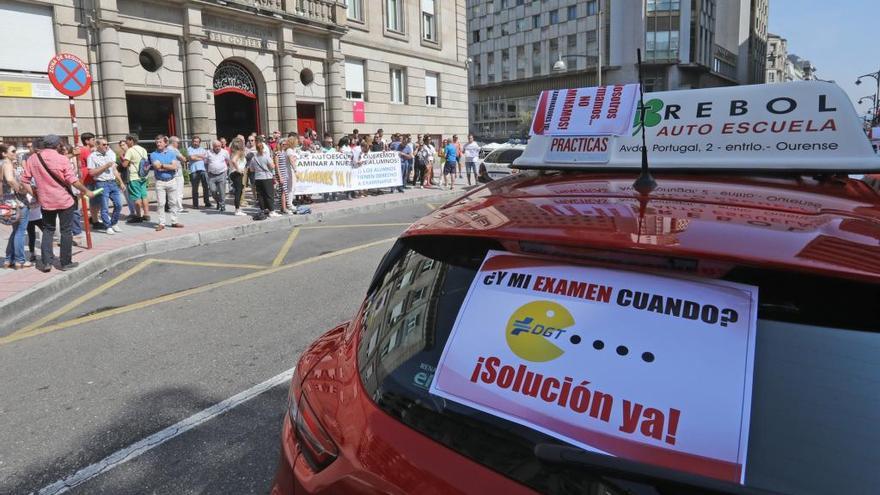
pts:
pixel 311 227
pixel 76 302
pixel 171 297
pixel 286 247
pixel 210 264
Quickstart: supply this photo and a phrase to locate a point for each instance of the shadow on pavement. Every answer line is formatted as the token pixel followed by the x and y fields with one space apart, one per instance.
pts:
pixel 236 452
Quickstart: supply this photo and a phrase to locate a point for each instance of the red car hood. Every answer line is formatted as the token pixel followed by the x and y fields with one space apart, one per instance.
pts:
pixel 830 227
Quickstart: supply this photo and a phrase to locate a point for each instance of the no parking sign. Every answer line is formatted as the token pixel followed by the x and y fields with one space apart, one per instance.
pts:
pixel 69 75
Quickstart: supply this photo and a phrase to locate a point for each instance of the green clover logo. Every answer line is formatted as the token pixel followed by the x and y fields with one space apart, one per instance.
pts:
pixel 652 115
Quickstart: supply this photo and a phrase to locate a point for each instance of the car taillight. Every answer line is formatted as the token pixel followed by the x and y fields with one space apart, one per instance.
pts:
pixel 315 444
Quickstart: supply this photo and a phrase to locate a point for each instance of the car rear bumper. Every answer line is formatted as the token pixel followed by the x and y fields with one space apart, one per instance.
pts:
pixel 387 461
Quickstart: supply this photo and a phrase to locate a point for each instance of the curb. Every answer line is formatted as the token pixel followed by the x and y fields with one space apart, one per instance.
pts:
pixel 22 305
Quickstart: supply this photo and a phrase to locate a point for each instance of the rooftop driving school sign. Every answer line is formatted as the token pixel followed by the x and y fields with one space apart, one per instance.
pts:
pixel 648 368
pixel 69 75
pixel 800 125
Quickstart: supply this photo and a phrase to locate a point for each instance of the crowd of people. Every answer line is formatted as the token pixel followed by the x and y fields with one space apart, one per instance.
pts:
pixel 42 187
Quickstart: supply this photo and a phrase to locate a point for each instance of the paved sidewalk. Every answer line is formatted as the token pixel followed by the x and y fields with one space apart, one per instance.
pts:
pixel 19 289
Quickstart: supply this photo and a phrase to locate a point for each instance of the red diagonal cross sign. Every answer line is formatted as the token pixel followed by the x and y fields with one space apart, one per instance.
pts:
pixel 70 74
pixel 78 75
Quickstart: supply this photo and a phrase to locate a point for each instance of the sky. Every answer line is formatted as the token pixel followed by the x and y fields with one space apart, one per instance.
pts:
pixel 841 38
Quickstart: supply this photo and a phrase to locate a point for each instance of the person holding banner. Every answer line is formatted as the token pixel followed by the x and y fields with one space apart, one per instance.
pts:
pixel 406 161
pixel 262 164
pixel 287 158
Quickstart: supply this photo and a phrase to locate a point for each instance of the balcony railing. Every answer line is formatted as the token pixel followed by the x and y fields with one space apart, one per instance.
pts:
pixel 316 10
pixel 321 11
pixel 274 5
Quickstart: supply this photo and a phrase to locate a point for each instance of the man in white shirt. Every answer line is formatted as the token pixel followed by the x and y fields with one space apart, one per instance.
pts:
pixel 471 153
pixel 102 167
pixel 217 165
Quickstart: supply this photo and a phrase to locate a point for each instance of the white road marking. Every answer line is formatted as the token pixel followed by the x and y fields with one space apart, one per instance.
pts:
pixel 156 439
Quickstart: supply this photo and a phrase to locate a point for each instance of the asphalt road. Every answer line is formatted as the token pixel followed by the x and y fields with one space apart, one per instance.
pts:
pixel 157 340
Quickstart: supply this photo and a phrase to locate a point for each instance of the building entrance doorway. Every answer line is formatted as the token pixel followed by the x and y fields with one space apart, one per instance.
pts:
pixel 151 115
pixel 236 102
pixel 307 118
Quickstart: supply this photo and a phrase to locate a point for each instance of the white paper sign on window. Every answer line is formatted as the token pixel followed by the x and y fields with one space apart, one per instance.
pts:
pixel 648 368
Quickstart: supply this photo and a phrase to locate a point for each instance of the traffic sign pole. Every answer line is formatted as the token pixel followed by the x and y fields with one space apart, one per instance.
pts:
pixel 87 224
pixel 71 77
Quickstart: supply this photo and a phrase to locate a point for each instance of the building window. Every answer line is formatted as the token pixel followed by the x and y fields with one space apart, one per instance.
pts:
pixel 398 85
pixel 771 77
pixel 505 65
pixel 490 67
pixel 536 59
pixel 431 98
pixel 592 7
pixel 554 50
pixel 394 15
pixel 661 45
pixel 663 5
pixel 356 10
pixel 554 16
pixel 475 36
pixel 29 27
pixel 521 25
pixel 489 32
pixel 572 12
pixel 354 79
pixel 429 21
pixel 536 21
pixel 520 62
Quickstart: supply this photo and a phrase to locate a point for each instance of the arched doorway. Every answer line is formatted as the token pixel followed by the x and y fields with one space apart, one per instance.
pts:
pixel 236 101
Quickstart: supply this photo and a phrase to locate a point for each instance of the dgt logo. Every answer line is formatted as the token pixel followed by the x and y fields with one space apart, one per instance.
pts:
pixel 534 328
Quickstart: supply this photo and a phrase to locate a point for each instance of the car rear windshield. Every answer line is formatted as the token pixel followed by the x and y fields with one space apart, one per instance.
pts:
pixel 504 156
pixel 815 405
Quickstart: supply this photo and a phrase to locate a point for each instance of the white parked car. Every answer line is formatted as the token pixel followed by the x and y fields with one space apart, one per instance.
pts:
pixel 497 163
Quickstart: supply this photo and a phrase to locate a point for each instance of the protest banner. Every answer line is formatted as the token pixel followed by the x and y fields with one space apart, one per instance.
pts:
pixel 598 111
pixel 333 172
pixel 648 368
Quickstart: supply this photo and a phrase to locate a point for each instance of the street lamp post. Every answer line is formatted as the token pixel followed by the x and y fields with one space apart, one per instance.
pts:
pixel 560 65
pixel 876 76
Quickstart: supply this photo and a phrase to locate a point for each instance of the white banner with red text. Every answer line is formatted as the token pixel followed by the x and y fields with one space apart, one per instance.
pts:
pixel 334 172
pixel 648 368
pixel 597 111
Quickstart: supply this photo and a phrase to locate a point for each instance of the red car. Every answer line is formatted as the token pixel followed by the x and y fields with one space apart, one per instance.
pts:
pixel 361 419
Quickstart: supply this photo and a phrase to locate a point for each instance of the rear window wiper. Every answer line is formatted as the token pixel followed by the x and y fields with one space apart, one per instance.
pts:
pixel 663 480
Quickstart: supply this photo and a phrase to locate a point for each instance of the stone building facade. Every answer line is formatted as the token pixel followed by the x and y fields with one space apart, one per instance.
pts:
pixel 222 67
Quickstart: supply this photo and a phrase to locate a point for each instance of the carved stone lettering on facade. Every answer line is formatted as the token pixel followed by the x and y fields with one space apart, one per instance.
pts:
pixel 232 39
